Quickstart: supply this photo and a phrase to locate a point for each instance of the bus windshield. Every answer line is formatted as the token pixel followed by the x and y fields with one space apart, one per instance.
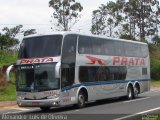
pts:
pixel 38 77
pixel 41 46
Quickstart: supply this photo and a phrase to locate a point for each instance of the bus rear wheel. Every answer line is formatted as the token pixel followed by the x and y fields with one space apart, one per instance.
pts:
pixel 81 100
pixel 136 91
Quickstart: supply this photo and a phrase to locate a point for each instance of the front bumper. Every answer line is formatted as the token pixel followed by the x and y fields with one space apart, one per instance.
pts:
pixel 39 103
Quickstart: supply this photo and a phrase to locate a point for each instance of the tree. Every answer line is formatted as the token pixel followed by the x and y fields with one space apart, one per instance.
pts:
pixel 156 39
pixel 7 42
pixel 12 32
pixel 107 17
pixel 98 20
pixel 130 10
pixel 142 14
pixel 29 32
pixel 8 39
pixel 66 13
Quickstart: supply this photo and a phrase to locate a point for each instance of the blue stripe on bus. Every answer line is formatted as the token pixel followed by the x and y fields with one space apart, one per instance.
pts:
pixel 100 83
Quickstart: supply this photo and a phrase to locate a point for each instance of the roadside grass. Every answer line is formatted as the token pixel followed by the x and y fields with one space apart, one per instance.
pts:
pixel 7 58
pixel 155 83
pixel 9 91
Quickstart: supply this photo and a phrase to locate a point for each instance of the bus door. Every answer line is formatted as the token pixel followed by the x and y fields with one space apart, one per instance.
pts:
pixel 68 67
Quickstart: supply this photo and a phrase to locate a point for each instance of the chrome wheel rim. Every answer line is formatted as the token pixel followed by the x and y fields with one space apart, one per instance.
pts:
pixel 81 100
pixel 136 92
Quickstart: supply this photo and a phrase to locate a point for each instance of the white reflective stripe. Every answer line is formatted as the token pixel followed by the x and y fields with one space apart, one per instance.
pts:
pixel 143 112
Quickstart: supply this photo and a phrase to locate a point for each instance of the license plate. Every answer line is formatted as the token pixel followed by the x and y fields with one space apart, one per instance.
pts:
pixel 35 103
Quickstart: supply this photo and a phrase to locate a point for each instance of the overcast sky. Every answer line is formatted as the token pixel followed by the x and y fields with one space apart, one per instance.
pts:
pixel 37 14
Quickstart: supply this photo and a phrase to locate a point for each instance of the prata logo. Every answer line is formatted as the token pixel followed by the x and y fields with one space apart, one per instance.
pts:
pixel 94 60
pixel 36 60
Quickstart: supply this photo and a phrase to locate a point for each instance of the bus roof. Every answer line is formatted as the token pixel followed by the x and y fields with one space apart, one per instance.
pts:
pixel 89 35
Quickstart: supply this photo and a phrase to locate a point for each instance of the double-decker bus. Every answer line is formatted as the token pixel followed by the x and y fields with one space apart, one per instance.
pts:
pixel 67 68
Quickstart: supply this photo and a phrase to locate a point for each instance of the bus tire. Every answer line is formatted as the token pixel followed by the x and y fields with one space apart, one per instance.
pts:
pixel 136 91
pixel 81 100
pixel 130 92
pixel 45 108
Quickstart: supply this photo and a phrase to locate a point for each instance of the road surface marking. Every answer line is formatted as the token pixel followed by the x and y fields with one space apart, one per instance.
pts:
pixel 136 100
pixel 139 113
pixel 155 90
pixel 22 109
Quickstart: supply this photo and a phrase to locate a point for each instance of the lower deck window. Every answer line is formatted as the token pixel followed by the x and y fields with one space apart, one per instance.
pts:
pixel 96 73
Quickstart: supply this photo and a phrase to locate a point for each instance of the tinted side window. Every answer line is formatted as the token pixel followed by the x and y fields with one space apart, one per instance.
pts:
pixel 87 74
pixel 97 46
pixel 93 74
pixel 69 49
pixel 84 45
pixel 144 50
pixel 132 50
pixel 108 47
pixel 68 75
pixel 119 48
pixel 136 50
pixel 144 71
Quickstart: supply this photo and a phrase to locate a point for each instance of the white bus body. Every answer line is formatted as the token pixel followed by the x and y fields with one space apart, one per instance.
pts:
pixel 83 68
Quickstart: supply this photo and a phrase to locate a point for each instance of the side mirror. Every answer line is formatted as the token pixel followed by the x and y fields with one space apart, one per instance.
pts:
pixel 8 72
pixel 57 70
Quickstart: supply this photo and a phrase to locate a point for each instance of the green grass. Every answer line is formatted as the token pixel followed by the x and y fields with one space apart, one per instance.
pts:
pixel 9 92
pixel 155 81
pixel 7 58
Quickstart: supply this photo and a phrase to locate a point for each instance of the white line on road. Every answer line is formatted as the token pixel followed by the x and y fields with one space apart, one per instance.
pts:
pixel 155 90
pixel 136 100
pixel 22 109
pixel 139 113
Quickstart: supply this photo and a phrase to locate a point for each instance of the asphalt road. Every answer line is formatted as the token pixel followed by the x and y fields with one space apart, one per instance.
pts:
pixel 146 105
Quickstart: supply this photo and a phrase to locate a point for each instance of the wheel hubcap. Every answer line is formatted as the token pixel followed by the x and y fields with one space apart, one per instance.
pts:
pixel 130 94
pixel 81 99
pixel 136 92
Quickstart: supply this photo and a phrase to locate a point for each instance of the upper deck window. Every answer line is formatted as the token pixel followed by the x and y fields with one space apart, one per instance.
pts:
pixel 41 46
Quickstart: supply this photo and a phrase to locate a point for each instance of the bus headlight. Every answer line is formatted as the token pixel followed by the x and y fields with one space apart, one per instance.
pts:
pixel 56 95
pixel 20 98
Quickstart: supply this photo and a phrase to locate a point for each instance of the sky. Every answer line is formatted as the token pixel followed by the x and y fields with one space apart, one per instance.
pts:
pixel 36 14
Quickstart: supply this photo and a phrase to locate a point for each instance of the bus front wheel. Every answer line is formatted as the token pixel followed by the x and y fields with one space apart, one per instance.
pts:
pixel 81 100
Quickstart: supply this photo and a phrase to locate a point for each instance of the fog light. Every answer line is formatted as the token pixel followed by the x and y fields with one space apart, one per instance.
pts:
pixel 19 104
pixel 55 103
